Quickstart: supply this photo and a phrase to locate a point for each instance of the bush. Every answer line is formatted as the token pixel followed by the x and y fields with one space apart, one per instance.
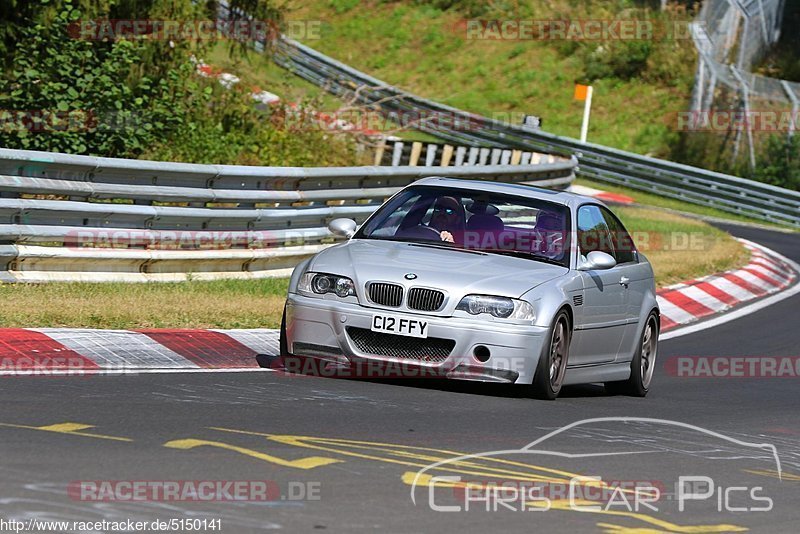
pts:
pixel 779 164
pixel 86 97
pixel 228 129
pixel 138 97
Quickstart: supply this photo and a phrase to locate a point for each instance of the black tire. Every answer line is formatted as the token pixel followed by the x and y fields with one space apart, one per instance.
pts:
pixel 283 345
pixel 642 364
pixel 552 366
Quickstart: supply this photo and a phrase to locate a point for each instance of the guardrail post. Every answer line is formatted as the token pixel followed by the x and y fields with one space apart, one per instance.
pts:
pixel 447 154
pixel 416 150
pixel 430 155
pixel 461 152
pixel 397 154
pixel 473 156
pixel 379 152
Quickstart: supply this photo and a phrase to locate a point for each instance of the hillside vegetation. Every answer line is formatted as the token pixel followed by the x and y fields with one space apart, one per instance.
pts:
pixel 424 47
pixel 456 52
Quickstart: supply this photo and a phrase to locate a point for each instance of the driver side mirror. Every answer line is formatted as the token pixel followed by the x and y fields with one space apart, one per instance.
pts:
pixel 343 227
pixel 597 261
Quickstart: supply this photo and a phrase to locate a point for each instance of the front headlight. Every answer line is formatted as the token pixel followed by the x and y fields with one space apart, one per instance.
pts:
pixel 321 283
pixel 500 307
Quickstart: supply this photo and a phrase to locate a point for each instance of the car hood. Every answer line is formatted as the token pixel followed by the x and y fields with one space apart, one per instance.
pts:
pixel 455 271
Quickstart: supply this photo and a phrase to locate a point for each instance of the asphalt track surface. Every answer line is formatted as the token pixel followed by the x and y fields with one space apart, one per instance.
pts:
pixel 354 447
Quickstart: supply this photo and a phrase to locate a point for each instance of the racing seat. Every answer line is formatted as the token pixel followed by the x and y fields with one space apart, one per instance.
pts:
pixel 483 231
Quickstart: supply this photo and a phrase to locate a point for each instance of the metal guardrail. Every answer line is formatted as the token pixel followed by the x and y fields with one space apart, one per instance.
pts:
pixel 683 182
pixel 65 217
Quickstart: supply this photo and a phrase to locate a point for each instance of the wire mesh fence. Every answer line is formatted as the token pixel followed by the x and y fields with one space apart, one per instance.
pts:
pixel 731 37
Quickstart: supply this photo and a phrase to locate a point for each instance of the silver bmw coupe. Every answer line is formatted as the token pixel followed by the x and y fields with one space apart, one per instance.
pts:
pixel 480 281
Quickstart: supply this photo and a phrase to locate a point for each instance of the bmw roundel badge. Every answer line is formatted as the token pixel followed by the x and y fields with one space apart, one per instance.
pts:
pixel 410 276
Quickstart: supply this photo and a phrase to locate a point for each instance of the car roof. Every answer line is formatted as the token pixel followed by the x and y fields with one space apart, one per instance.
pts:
pixel 518 189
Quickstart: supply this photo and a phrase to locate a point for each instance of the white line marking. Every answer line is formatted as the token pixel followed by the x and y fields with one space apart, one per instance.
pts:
pixel 756 281
pixel 261 341
pixel 673 312
pixel 734 290
pixel 117 348
pixel 709 301
pixel 779 279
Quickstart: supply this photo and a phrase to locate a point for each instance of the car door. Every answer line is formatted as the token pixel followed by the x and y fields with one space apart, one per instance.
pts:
pixel 636 275
pixel 604 313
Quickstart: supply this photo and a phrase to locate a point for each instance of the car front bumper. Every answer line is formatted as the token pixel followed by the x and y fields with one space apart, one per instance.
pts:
pixel 322 329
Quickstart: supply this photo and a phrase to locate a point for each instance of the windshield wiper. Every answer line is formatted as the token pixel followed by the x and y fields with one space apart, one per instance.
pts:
pixel 523 254
pixel 447 247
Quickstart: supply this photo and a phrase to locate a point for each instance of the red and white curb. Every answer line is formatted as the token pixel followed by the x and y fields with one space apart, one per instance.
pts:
pixel 58 351
pixel 69 351
pixel 688 302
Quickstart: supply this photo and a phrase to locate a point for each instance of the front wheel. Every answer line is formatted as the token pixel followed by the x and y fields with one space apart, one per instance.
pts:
pixel 552 364
pixel 642 365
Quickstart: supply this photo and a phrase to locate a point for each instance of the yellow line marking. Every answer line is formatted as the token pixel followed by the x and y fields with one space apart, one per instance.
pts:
pixel 404 455
pixel 611 528
pixel 424 456
pixel 786 477
pixel 298 441
pixel 302 463
pixel 72 429
pixel 566 505
pixel 410 477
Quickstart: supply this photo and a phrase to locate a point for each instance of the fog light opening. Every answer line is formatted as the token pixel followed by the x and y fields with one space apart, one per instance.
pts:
pixel 482 353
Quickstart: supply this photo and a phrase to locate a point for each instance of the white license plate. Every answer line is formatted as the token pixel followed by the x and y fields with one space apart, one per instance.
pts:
pixel 403 326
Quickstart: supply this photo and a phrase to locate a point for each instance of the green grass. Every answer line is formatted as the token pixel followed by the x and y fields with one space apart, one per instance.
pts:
pixel 649 199
pixel 259 71
pixel 195 304
pixel 680 248
pixel 424 50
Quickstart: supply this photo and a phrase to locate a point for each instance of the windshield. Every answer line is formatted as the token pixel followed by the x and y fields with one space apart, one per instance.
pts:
pixel 474 220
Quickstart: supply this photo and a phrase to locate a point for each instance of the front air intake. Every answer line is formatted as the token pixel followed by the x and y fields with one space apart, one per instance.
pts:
pixel 385 294
pixel 425 299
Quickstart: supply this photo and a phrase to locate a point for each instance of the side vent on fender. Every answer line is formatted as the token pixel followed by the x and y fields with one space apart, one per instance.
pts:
pixel 577 300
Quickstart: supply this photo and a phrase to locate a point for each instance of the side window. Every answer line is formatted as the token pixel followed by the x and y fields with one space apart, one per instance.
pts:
pixel 624 249
pixel 593 232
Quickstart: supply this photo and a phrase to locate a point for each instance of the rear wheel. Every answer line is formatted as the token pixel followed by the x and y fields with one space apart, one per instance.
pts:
pixel 552 364
pixel 643 363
